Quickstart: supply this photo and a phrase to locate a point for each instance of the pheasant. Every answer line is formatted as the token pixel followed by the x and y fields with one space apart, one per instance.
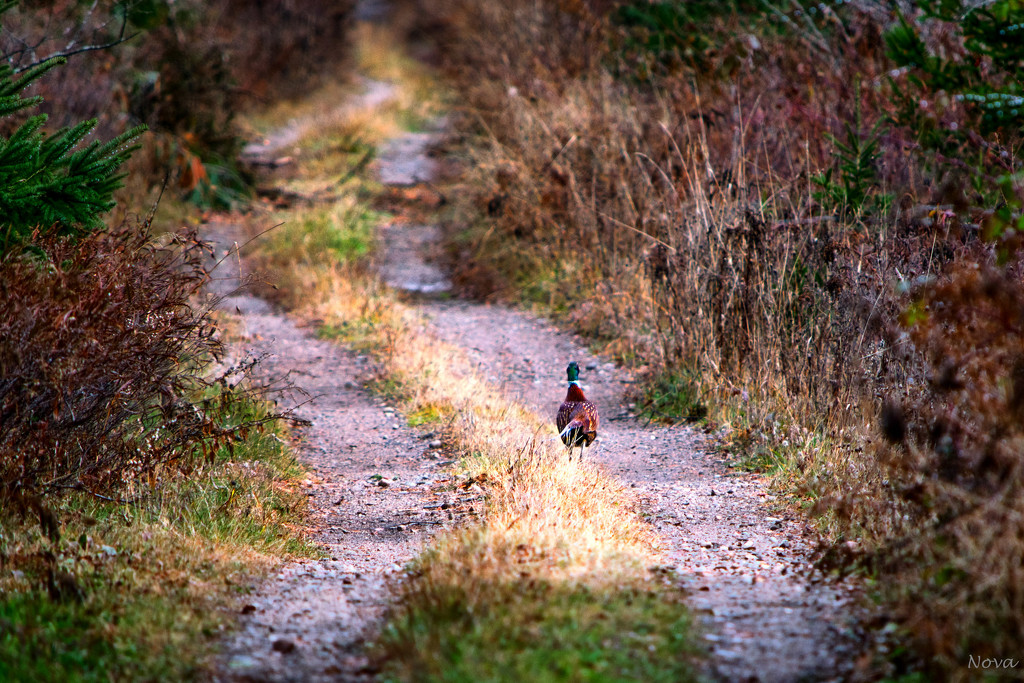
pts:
pixel 577 417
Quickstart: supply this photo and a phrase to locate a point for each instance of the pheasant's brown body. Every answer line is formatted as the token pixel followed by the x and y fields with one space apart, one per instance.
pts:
pixel 577 418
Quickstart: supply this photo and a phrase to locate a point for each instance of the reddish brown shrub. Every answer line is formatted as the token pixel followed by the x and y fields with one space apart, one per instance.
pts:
pixel 101 355
pixel 952 448
pixel 189 67
pixel 208 59
pixel 281 48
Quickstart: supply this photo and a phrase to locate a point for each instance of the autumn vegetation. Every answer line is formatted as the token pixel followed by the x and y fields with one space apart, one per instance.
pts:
pixel 552 577
pixel 802 221
pixel 145 476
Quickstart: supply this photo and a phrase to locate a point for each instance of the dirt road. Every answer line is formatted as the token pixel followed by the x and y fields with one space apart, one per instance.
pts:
pixel 743 563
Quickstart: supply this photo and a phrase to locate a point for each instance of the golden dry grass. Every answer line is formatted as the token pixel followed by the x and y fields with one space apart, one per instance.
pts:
pixel 553 532
pixel 552 517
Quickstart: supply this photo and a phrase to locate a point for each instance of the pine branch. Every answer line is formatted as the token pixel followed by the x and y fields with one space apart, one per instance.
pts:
pixel 52 180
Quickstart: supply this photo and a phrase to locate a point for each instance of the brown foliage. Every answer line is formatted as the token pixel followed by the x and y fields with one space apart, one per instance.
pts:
pixel 186 76
pixel 214 58
pixel 100 359
pixel 281 48
pixel 207 62
pixel 964 426
pixel 539 46
pixel 954 458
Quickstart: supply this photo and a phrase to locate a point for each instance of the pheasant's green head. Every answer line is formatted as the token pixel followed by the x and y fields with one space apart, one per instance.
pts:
pixel 573 371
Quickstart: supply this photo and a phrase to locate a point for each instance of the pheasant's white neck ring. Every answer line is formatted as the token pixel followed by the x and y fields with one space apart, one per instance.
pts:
pixel 573 381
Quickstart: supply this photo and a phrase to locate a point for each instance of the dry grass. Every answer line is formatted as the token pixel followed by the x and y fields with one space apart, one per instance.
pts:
pixel 327 113
pixel 552 529
pixel 692 276
pixel 419 97
pixel 557 519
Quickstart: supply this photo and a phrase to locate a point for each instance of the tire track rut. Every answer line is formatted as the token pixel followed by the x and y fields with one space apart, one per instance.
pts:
pixel 370 485
pixel 370 481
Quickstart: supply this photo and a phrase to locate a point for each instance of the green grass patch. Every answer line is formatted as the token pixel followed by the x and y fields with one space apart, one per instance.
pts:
pixel 537 631
pixel 44 640
pixel 429 414
pixel 766 457
pixel 141 590
pixel 244 494
pixel 673 396
pixel 341 233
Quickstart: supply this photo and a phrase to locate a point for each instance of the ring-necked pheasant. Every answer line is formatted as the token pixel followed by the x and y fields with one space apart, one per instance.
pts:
pixel 577 417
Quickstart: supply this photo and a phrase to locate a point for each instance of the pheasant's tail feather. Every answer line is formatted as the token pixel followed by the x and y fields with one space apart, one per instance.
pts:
pixel 575 424
pixel 580 429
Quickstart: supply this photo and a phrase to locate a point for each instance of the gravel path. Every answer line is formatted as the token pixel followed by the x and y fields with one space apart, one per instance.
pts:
pixel 278 143
pixel 406 258
pixel 745 566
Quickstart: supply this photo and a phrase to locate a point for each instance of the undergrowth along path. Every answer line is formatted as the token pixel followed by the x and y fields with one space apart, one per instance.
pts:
pixel 745 569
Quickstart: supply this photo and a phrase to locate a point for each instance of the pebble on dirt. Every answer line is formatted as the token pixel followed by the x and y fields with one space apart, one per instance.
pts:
pixel 284 646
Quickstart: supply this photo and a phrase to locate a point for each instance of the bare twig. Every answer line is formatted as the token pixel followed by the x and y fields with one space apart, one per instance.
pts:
pixel 69 50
